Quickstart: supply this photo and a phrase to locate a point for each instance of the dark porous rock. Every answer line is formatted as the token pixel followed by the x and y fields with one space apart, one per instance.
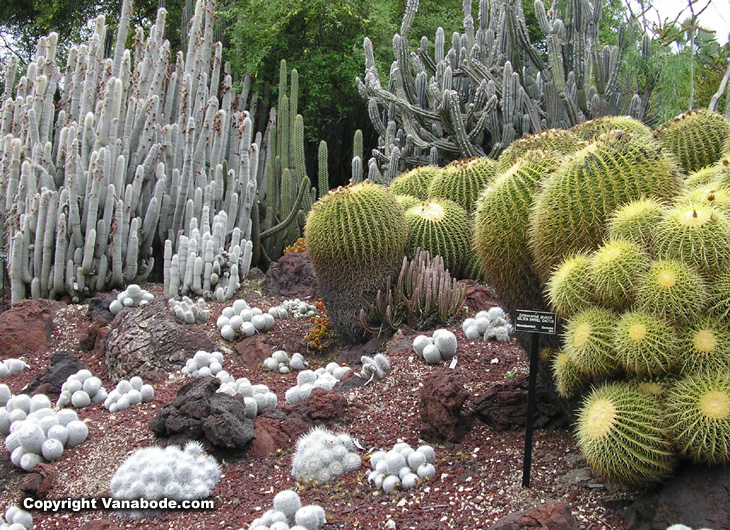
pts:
pixel 200 413
pixel 441 405
pixel 149 339
pixel 99 307
pixel 40 482
pixel 92 336
pixel 292 276
pixel 551 516
pixel 478 297
pixel 252 350
pixel 63 364
pixel 503 406
pixel 255 274
pixel 26 327
pixel 399 345
pixel 697 496
pixel 351 354
pixel 100 524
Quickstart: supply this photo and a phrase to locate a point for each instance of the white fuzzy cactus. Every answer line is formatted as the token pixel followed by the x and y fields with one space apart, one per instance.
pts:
pixel 374 368
pixel 293 309
pixel 493 324
pixel 240 319
pixel 128 393
pixel 439 347
pixel 154 473
pixel 282 363
pixel 132 296
pixel 80 390
pixel 12 367
pixel 307 380
pixel 289 514
pixel 190 312
pixel 258 399
pixel 402 467
pixel 322 455
pixel 204 363
pixel 16 519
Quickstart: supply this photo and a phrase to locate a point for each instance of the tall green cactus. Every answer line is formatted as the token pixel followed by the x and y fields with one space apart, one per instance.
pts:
pixel 493 85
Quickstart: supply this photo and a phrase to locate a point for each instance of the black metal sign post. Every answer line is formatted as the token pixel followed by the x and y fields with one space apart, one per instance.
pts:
pixel 535 322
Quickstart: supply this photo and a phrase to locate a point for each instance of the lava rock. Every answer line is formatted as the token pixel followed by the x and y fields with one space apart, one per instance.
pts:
pixel 26 327
pixel 252 350
pixel 269 437
pixel 698 496
pixel 503 406
pixel 99 307
pixel 63 364
pixel 292 276
pixel 38 483
pixel 150 339
pixel 551 516
pixel 100 524
pixel 441 405
pixel 200 413
pixel 93 334
pixel 325 405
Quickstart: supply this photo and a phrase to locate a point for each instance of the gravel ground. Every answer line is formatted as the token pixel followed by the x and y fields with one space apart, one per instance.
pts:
pixel 477 481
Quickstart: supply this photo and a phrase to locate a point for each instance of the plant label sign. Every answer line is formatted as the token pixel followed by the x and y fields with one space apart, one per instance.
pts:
pixel 535 322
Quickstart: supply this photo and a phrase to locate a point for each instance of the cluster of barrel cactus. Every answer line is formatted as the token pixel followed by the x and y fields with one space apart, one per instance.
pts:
pixel 322 455
pixel 402 467
pixel 493 85
pixel 128 393
pixel 34 432
pixel 81 389
pixel 154 473
pixel 289 514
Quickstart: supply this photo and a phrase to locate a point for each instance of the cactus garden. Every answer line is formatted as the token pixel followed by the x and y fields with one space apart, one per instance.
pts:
pixel 196 308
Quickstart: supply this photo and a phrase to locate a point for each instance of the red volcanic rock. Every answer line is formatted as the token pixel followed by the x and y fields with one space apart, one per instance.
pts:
pixel 552 516
pixel 252 350
pixel 26 328
pixel 38 483
pixel 292 276
pixel 441 406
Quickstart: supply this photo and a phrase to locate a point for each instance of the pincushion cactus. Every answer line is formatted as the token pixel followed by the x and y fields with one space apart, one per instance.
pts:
pixel 441 346
pixel 153 473
pixel 289 514
pixel 204 363
pixel 16 519
pixel 36 433
pixel 190 312
pixel 374 368
pixel 294 308
pixel 492 324
pixel 244 320
pixel 132 296
pixel 322 455
pixel 257 399
pixel 402 467
pixel 281 362
pixel 12 367
pixel 80 390
pixel 307 380
pixel 129 393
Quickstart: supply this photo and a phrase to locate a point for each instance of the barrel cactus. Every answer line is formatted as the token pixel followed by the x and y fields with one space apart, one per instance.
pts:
pixel 442 227
pixel 555 141
pixel 704 346
pixel 415 182
pixel 463 180
pixel 636 221
pixel 645 344
pixel 587 340
pixel 616 168
pixel 613 271
pixel 698 408
pixel 696 138
pixel 569 289
pixel 624 435
pixel 591 129
pixel 356 238
pixel 673 290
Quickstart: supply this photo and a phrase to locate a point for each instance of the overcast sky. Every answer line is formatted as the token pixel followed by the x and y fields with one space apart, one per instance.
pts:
pixel 715 17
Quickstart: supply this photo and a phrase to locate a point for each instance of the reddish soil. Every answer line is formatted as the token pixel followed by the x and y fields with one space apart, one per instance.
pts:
pixel 477 481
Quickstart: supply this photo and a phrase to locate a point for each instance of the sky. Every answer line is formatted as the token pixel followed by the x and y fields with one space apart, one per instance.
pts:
pixel 715 17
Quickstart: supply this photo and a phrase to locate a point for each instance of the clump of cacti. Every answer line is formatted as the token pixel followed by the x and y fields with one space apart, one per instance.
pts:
pixel 366 254
pixel 35 432
pixel 294 308
pixel 556 142
pixel 374 368
pixel 257 399
pixel 439 347
pixel 492 324
pixel 16 519
pixel 568 289
pixel 203 363
pixel 696 138
pixel 132 296
pixel 242 320
pixel 443 228
pixel 592 129
pixel 308 380
pixel 281 362
pixel 5 394
pixel 636 221
pixel 415 183
pixel 12 367
pixel 289 514
pixel 190 312
pixel 127 393
pixel 322 455
pixel 80 390
pixel 613 272
pixel 154 473
pixel 462 181
pixel 401 468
